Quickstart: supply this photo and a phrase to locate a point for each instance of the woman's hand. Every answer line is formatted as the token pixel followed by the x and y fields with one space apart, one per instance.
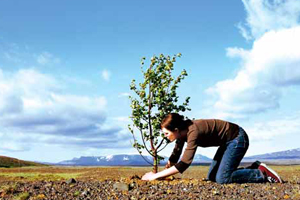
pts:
pixel 150 176
pixel 169 164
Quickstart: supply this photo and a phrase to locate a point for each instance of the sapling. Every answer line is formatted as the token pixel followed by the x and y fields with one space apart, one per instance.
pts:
pixel 154 98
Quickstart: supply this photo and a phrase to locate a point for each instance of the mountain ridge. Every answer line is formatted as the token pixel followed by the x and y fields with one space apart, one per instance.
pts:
pixel 287 157
pixel 288 154
pixel 9 162
pixel 281 157
pixel 122 160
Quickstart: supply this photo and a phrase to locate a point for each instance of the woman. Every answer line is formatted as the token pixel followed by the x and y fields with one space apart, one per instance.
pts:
pixel 233 143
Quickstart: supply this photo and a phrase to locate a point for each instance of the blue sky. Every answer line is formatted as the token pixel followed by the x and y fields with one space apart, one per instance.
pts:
pixel 66 66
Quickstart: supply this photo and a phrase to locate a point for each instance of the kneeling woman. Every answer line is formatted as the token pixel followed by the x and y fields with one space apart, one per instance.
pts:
pixel 233 143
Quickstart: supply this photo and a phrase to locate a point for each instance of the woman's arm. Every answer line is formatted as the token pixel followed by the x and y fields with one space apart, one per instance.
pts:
pixel 166 172
pixel 176 151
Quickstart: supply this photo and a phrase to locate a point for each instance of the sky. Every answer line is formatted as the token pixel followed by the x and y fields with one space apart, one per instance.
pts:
pixel 66 67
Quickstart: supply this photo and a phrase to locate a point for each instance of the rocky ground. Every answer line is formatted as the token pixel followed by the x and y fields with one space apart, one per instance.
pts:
pixel 115 183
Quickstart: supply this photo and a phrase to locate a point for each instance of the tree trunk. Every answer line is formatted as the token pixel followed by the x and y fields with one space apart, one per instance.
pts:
pixel 155 162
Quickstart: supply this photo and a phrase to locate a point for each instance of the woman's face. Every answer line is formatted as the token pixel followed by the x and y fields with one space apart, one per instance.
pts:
pixel 171 135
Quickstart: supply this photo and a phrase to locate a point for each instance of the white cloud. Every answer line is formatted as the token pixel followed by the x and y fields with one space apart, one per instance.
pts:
pixel 270 130
pixel 266 68
pixel 124 94
pixel 244 32
pixel 13 142
pixel 46 58
pixel 266 15
pixel 106 75
pixel 23 55
pixel 269 72
pixel 236 52
pixel 279 134
pixel 11 52
pixel 122 119
pixel 34 110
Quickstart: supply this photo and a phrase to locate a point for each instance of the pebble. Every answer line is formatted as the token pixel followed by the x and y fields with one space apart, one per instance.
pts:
pixel 121 186
pixel 70 181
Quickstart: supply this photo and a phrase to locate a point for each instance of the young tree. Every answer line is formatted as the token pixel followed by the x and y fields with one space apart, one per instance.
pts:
pixel 156 97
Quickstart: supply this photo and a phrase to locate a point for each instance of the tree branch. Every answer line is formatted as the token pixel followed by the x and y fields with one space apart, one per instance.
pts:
pixel 143 139
pixel 146 159
pixel 142 154
pixel 162 148
pixel 160 144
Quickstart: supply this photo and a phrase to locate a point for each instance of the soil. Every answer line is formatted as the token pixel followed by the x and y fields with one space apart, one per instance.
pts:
pixel 125 183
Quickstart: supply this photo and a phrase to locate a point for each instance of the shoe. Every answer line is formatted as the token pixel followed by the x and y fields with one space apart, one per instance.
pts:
pixel 254 165
pixel 270 175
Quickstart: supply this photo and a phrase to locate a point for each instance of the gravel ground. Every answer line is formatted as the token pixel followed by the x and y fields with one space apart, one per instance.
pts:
pixel 136 189
pixel 125 183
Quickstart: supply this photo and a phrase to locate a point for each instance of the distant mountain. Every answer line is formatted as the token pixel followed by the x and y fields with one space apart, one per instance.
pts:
pixel 198 158
pixel 111 160
pixel 289 154
pixel 9 162
pixel 281 157
pixel 122 160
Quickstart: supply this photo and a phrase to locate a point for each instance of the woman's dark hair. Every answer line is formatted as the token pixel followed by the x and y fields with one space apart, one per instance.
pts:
pixel 173 121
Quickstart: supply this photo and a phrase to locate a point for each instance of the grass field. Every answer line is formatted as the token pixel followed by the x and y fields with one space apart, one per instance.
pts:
pixel 290 173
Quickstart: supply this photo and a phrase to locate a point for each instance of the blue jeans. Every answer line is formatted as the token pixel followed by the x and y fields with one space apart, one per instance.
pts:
pixel 224 166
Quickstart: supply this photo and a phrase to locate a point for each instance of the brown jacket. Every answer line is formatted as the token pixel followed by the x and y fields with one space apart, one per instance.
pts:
pixel 203 133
